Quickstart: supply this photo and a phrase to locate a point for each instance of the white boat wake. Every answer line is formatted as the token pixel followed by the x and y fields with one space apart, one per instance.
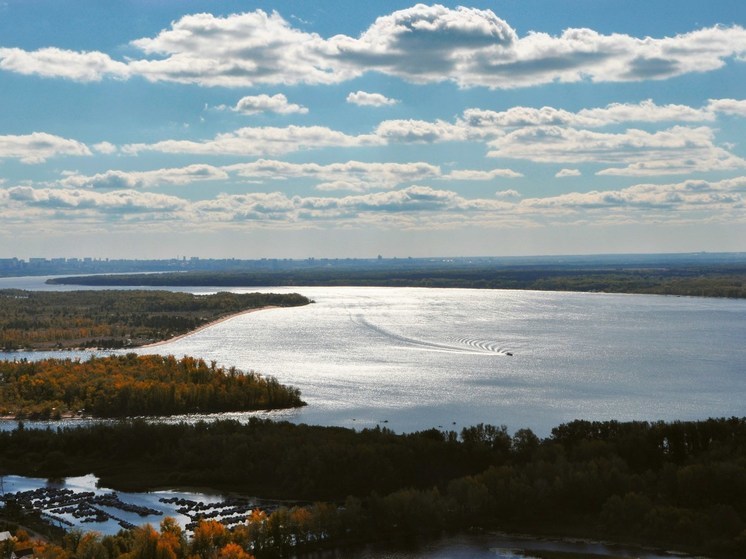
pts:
pixel 453 345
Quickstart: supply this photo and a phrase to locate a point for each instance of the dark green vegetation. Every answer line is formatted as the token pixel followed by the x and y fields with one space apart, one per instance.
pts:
pixel 719 280
pixel 130 385
pixel 115 319
pixel 677 485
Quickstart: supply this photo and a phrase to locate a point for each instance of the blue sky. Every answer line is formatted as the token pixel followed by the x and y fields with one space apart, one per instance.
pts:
pixel 170 128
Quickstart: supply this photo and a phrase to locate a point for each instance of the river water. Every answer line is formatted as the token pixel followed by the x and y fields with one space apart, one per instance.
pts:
pixel 410 359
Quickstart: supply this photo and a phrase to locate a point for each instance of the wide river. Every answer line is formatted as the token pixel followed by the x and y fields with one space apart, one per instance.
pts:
pixel 410 358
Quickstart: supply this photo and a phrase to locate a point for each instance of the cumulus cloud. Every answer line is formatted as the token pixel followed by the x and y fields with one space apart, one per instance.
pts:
pixel 364 99
pixel 105 147
pixel 277 103
pixel 672 151
pixel 114 179
pixel 39 146
pixel 378 205
pixel 354 176
pixel 92 203
pixel 347 185
pixel 615 113
pixel 507 194
pixel 421 131
pixel 562 173
pixel 421 44
pixel 259 141
pixel 474 175
pixel 413 206
pixel 728 106
pixel 424 43
pixel 239 50
pixel 483 124
pixel 351 176
pixel 687 196
pixel 586 55
pixel 58 63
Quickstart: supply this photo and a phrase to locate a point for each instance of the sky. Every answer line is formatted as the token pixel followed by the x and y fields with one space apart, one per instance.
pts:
pixel 171 128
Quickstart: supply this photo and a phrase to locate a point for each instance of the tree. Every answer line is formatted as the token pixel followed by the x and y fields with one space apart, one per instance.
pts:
pixel 234 551
pixel 209 536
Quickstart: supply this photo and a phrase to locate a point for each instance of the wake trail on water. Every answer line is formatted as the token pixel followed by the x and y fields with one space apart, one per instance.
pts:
pixel 452 345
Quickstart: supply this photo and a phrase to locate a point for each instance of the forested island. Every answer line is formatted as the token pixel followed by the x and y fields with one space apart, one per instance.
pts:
pixel 133 385
pixel 676 485
pixel 686 279
pixel 112 319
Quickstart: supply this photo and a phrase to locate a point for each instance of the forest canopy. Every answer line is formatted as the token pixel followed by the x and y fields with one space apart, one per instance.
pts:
pixel 687 280
pixel 676 485
pixel 132 385
pixel 117 318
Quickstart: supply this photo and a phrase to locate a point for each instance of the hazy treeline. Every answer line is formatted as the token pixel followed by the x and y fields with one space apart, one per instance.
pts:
pixel 704 281
pixel 131 385
pixel 114 318
pixel 680 484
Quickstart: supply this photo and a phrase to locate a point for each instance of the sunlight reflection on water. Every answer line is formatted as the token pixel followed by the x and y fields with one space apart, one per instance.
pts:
pixel 410 359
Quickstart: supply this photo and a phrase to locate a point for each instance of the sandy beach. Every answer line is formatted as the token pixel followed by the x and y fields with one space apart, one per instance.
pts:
pixel 208 325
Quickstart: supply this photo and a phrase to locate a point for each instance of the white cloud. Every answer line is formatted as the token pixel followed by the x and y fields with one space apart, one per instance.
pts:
pixel 424 43
pixel 586 55
pixel 443 206
pixel 687 196
pixel 277 103
pixel 105 147
pixel 58 63
pixel 615 113
pixel 91 202
pixel 365 99
pixel 507 194
pixel 645 111
pixel 114 179
pixel 474 175
pixel 259 141
pixel 475 48
pixel 240 50
pixel 421 44
pixel 351 176
pixel 728 106
pixel 562 173
pixel 421 131
pixel 482 124
pixel 413 206
pixel 356 176
pixel 38 147
pixel 672 151
pixel 348 185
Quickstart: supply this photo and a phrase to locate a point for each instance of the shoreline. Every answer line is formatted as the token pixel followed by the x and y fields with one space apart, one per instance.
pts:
pixel 147 345
pixel 203 327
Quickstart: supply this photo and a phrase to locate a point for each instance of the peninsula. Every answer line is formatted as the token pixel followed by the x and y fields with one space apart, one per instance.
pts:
pixel 115 319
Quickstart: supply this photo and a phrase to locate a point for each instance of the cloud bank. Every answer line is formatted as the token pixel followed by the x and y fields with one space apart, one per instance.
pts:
pixel 421 44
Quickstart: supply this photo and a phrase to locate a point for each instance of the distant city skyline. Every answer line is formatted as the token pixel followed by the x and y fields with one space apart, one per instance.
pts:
pixel 334 129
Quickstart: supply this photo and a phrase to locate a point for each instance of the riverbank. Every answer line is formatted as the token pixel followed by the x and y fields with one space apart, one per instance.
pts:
pixel 203 327
pixel 721 280
pixel 117 319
